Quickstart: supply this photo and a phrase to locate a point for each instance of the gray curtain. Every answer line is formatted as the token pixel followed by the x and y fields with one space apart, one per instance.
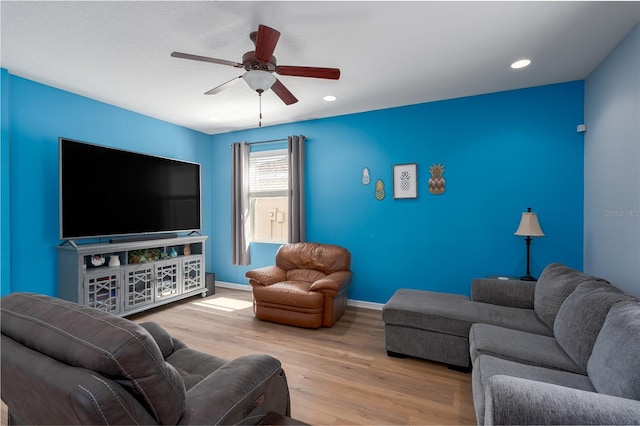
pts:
pixel 297 216
pixel 240 204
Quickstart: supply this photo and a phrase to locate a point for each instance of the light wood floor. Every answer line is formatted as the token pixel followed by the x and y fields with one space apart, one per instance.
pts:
pixel 337 376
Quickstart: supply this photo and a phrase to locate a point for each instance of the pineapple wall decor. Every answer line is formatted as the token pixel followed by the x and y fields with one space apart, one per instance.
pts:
pixel 379 192
pixel 405 180
pixel 365 176
pixel 436 181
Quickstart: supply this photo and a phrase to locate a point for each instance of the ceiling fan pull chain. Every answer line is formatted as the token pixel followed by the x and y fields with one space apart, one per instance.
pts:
pixel 260 108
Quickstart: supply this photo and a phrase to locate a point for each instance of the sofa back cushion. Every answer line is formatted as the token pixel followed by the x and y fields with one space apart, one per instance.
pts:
pixel 614 366
pixel 581 316
pixel 556 282
pixel 326 258
pixel 89 338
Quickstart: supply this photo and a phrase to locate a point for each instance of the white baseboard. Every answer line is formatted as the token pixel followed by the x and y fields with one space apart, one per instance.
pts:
pixel 350 302
pixel 234 286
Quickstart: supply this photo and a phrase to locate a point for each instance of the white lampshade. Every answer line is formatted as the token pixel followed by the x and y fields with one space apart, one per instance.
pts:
pixel 529 226
pixel 258 80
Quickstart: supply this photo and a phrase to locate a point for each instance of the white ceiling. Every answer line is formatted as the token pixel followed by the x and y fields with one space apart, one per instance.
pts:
pixel 390 53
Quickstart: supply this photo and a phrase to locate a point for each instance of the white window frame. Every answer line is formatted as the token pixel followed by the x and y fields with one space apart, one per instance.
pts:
pixel 272 193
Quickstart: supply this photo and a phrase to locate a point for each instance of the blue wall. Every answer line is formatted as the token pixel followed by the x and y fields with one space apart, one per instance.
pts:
pixel 503 152
pixel 612 156
pixel 39 115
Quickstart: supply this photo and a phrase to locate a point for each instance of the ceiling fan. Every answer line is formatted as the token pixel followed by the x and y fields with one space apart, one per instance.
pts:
pixel 260 65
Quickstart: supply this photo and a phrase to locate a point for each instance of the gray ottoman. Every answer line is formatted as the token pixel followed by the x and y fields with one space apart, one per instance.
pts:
pixel 429 325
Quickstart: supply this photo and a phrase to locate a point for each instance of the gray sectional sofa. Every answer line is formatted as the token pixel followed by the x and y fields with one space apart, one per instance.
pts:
pixel 562 350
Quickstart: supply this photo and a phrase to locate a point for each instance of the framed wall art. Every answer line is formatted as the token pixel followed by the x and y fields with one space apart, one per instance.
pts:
pixel 405 180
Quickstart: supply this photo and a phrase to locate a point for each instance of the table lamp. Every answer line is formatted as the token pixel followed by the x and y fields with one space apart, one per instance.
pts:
pixel 529 227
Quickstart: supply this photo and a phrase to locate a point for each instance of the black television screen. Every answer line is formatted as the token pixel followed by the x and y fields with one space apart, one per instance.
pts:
pixel 111 192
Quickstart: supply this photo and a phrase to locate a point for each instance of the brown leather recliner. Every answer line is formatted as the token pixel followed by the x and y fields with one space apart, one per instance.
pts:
pixel 307 287
pixel 63 363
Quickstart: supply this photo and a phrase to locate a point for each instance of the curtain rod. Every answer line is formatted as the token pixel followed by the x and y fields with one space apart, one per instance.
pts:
pixel 270 141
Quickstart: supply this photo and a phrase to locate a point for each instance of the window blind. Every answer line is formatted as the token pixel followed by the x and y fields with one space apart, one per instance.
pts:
pixel 268 173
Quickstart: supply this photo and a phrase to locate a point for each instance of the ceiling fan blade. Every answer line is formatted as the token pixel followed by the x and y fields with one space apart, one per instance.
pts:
pixel 266 41
pixel 283 93
pixel 329 73
pixel 223 86
pixel 206 59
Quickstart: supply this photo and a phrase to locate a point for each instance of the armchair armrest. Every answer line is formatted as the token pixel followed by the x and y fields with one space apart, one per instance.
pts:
pixel 516 401
pixel 250 385
pixel 266 275
pixel 333 284
pixel 512 293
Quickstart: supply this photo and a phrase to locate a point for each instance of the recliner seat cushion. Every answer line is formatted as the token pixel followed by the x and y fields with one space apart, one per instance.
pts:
pixel 193 366
pixel 295 294
pixel 112 346
pixel 614 366
pixel 307 275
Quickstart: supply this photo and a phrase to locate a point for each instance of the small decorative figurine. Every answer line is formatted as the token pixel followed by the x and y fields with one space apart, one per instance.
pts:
pixel 366 179
pixel 97 260
pixel 436 181
pixel 186 250
pixel 379 193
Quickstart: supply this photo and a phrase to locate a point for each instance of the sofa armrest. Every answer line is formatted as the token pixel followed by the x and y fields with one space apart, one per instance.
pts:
pixel 516 401
pixel 248 386
pixel 333 284
pixel 512 293
pixel 266 275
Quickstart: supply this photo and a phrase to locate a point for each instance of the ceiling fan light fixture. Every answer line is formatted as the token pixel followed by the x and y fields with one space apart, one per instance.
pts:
pixel 259 81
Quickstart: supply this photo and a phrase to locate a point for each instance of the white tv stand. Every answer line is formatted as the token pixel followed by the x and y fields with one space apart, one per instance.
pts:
pixel 151 273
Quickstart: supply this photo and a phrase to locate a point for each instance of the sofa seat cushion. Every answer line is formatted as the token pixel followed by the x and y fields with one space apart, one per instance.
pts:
pixel 296 294
pixel 556 282
pixel 519 346
pixel 454 314
pixel 614 366
pixel 581 316
pixel 486 366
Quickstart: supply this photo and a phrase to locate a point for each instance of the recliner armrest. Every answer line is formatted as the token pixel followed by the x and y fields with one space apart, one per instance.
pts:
pixel 516 401
pixel 266 275
pixel 513 293
pixel 333 283
pixel 248 386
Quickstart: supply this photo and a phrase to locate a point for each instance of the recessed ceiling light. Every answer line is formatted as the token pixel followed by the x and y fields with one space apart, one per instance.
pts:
pixel 329 98
pixel 520 64
pixel 213 118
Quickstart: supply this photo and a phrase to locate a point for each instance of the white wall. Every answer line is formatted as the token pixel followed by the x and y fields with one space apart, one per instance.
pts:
pixel 612 167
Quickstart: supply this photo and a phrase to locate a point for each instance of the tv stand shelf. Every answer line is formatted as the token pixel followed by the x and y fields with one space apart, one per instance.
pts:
pixel 145 273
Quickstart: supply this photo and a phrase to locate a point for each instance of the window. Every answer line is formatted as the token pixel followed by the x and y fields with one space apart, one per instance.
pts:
pixel 269 196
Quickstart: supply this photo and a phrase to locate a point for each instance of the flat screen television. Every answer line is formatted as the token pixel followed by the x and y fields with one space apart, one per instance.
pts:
pixel 107 192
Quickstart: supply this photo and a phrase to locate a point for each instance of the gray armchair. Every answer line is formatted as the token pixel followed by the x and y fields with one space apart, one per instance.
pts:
pixel 63 363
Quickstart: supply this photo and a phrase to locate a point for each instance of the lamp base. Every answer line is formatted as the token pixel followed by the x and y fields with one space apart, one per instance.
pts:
pixel 528 278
